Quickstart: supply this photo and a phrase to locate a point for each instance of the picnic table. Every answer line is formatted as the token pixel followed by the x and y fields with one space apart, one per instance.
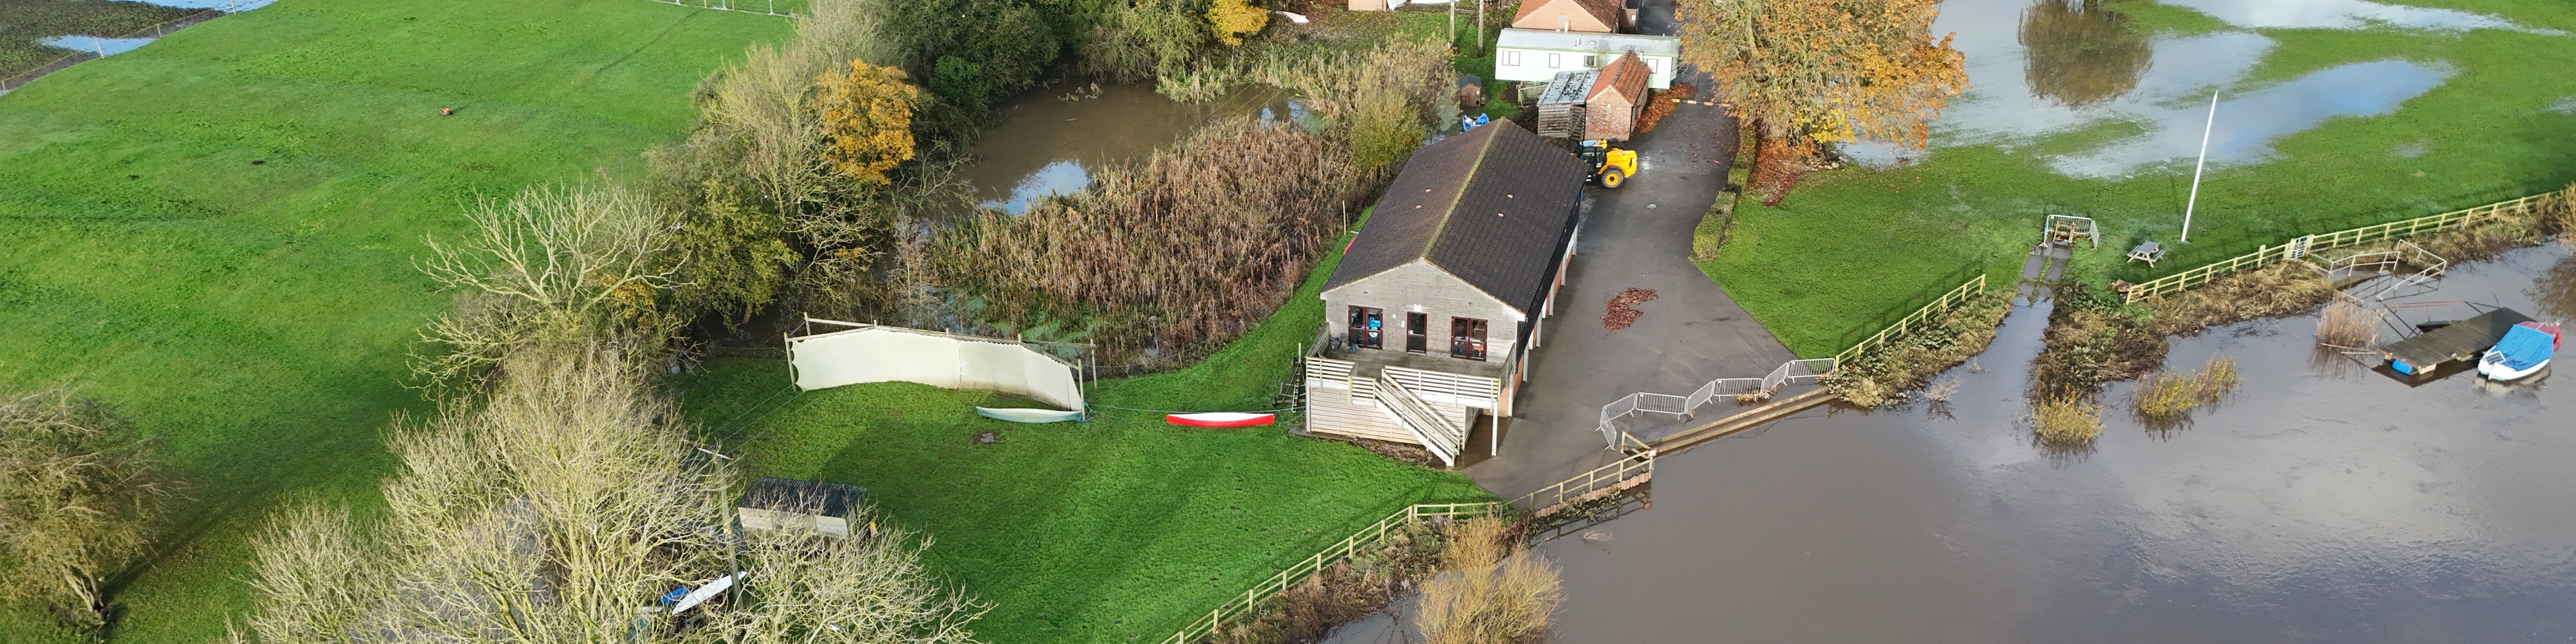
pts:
pixel 2147 252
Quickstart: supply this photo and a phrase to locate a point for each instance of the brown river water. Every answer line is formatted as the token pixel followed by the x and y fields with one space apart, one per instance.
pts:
pixel 2324 502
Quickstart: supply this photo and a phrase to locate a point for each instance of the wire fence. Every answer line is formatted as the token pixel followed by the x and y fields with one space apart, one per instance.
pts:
pixel 154 31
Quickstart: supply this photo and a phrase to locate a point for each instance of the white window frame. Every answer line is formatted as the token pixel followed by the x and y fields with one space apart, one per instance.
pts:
pixel 1512 58
pixel 1555 60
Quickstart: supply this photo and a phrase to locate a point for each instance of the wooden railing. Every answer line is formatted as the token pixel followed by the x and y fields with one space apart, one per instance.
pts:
pixel 2298 247
pixel 1973 286
pixel 1601 480
pixel 1445 438
pixel 1456 389
pixel 1297 574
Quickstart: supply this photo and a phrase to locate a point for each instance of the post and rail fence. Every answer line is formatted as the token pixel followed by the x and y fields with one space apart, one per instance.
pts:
pixel 2302 246
pixel 1298 573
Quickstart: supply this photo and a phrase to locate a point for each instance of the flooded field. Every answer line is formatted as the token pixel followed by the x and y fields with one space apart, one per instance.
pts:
pixel 1051 138
pixel 2133 97
pixel 2325 502
pixel 39 37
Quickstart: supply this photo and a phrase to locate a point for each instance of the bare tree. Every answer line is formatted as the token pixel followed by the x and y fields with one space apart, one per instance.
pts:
pixel 75 496
pixel 558 510
pixel 551 266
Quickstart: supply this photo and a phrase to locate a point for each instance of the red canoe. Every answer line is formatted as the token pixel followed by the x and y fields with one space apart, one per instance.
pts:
pixel 1220 419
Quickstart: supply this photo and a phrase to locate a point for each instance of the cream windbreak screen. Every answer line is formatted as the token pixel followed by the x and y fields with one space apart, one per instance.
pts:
pixel 872 353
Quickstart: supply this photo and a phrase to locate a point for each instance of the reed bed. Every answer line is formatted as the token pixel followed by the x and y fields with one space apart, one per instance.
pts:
pixel 2170 397
pixel 2093 338
pixel 2066 419
pixel 1491 594
pixel 1175 254
pixel 2349 325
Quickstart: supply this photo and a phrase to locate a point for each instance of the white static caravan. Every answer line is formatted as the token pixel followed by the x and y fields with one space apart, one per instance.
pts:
pixel 1531 55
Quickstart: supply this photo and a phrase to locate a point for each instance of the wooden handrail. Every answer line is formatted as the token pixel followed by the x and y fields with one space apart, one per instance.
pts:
pixel 2307 244
pixel 1297 573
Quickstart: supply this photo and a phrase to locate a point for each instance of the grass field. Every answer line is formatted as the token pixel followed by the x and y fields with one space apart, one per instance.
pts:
pixel 216 232
pixel 1116 530
pixel 1853 249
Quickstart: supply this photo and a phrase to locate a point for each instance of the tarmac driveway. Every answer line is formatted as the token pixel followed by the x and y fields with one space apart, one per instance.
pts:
pixel 1637 236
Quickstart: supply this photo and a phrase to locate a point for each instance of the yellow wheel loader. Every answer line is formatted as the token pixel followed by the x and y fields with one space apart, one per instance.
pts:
pixel 1610 166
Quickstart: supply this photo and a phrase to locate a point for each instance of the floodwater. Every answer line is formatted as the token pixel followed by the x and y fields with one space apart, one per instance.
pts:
pixel 2324 502
pixel 2047 67
pixel 1047 145
pixel 94 44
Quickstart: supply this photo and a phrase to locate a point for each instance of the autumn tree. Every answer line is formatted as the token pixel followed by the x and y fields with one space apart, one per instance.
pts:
pixel 75 495
pixel 1231 20
pixel 549 267
pixel 867 120
pixel 1807 73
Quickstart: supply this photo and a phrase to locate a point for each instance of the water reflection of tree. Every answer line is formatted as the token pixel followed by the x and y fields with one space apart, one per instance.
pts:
pixel 2077 52
pixel 2555 291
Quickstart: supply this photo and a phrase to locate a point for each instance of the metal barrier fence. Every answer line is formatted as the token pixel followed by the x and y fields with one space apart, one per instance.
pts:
pixel 154 31
pixel 1296 574
pixel 1647 402
pixel 2299 247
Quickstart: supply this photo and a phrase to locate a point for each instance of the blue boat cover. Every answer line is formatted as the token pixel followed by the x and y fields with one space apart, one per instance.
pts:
pixel 2524 346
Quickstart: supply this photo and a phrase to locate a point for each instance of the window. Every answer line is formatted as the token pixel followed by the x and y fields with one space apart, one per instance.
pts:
pixel 1555 61
pixel 1655 65
pixel 1591 61
pixel 1466 338
pixel 1366 331
pixel 1417 332
pixel 1512 58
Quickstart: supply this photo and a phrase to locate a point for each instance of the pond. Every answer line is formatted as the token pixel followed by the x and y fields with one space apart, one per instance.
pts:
pixel 1052 138
pixel 2087 69
pixel 2324 502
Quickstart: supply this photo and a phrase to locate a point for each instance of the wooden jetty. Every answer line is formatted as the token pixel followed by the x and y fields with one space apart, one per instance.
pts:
pixel 2462 340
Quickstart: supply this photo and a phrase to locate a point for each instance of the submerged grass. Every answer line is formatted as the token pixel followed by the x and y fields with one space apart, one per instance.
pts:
pixel 1118 529
pixel 2348 325
pixel 253 318
pixel 2168 398
pixel 2066 419
pixel 25 24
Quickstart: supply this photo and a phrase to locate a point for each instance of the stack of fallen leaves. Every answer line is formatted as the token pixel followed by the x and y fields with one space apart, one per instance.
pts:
pixel 1663 104
pixel 1622 313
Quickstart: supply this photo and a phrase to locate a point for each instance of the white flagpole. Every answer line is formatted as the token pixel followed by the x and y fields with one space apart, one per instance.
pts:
pixel 2196 167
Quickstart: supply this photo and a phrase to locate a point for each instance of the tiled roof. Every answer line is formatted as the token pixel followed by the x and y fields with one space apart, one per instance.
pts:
pixel 1607 11
pixel 1627 76
pixel 1493 206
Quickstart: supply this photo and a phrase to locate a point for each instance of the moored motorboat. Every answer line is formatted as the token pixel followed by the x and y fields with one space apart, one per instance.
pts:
pixel 2525 350
pixel 1220 419
pixel 1020 415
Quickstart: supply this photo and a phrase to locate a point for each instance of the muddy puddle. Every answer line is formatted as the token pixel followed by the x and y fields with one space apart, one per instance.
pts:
pixel 2042 68
pixel 1051 139
pixel 2324 502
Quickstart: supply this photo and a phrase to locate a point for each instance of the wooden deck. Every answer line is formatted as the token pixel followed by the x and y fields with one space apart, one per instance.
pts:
pixel 2462 340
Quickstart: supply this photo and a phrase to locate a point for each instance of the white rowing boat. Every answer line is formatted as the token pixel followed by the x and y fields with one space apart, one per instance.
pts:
pixel 1020 415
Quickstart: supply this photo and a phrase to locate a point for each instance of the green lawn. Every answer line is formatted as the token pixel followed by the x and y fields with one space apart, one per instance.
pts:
pixel 1116 530
pixel 253 317
pixel 1853 249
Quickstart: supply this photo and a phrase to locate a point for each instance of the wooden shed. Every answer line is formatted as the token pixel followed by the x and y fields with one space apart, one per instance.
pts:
pixel 1561 107
pixel 1616 100
pixel 813 506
